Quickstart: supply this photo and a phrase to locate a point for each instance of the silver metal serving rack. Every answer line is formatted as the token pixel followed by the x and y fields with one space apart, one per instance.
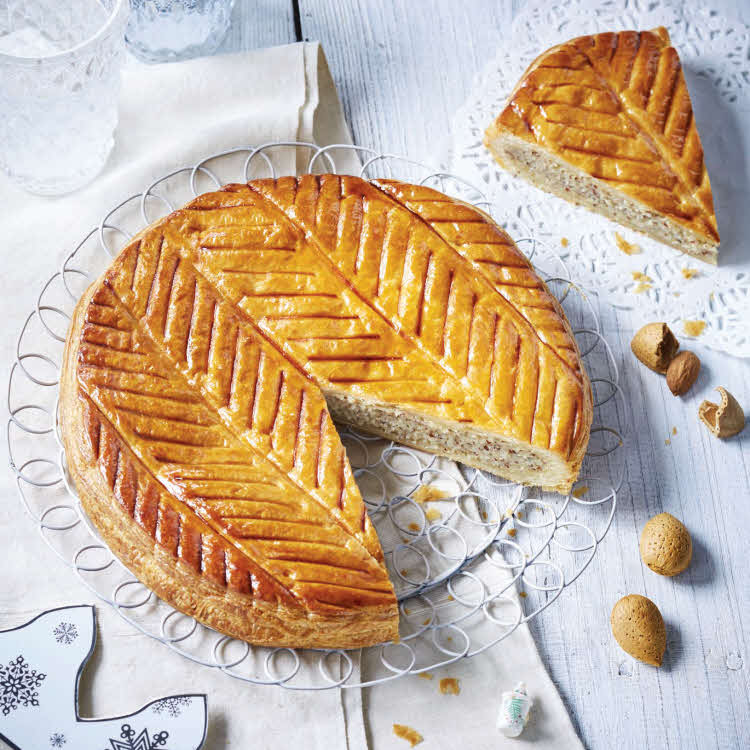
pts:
pixel 468 567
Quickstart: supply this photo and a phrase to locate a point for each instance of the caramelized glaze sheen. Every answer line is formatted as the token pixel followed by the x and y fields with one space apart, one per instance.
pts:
pixel 616 105
pixel 193 392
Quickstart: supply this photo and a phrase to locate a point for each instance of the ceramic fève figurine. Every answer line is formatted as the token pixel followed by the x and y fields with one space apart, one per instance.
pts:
pixel 40 666
pixel 514 711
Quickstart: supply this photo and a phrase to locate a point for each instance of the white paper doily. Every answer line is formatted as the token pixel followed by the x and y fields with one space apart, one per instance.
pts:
pixel 715 52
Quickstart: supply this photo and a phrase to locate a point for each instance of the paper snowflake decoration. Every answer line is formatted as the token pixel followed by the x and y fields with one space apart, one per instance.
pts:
pixel 66 632
pixel 129 740
pixel 171 706
pixel 18 685
pixel 57 740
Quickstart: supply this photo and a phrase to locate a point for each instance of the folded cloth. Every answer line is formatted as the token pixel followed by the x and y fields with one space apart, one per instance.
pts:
pixel 172 116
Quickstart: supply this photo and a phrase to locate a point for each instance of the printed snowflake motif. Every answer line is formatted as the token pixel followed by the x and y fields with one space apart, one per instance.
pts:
pixel 57 740
pixel 66 632
pixel 171 706
pixel 18 685
pixel 130 740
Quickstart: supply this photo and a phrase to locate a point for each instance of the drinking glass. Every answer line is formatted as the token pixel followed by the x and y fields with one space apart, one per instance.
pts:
pixel 168 30
pixel 59 81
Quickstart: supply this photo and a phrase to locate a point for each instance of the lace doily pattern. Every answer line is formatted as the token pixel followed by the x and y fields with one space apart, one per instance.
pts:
pixel 655 281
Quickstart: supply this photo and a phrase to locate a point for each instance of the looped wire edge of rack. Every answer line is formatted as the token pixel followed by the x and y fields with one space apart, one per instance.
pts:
pixel 494 548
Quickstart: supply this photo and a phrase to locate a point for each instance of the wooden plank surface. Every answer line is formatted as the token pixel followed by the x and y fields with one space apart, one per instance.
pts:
pixel 402 69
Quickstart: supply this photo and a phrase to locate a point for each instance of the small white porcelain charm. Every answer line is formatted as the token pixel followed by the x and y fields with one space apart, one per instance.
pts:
pixel 40 665
pixel 514 711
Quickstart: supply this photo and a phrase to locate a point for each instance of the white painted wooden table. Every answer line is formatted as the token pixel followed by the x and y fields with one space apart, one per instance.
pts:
pixel 402 69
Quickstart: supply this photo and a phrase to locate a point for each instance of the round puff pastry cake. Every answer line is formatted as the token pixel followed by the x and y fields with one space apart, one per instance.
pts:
pixel 204 369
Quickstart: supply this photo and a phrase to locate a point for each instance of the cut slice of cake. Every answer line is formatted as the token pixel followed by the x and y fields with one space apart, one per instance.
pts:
pixel 606 121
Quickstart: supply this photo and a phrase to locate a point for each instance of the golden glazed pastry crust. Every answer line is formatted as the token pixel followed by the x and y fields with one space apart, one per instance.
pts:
pixel 197 370
pixel 606 121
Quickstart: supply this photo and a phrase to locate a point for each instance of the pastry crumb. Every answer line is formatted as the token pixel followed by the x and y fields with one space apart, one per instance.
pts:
pixel 641 286
pixel 404 572
pixel 693 327
pixel 689 273
pixel 511 532
pixel 667 442
pixel 579 492
pixel 449 686
pixel 564 241
pixel 629 248
pixel 432 514
pixel 426 493
pixel 412 736
pixel 450 598
pixel 674 430
pixel 425 675
pixel 522 594
pixel 427 622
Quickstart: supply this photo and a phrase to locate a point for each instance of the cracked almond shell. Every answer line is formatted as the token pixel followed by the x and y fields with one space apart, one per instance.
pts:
pixel 655 346
pixel 725 418
pixel 638 627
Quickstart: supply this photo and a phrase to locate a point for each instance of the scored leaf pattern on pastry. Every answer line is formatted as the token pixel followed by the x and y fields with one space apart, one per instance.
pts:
pixel 496 256
pixel 206 345
pixel 616 105
pixel 451 318
pixel 213 473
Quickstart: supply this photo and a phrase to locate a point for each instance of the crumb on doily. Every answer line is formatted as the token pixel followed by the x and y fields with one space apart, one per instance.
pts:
pixel 689 273
pixel 629 248
pixel 512 532
pixel 564 241
pixel 693 327
pixel 425 675
pixel 579 492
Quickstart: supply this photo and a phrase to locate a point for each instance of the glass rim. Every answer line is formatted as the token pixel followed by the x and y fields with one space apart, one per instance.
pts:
pixel 112 18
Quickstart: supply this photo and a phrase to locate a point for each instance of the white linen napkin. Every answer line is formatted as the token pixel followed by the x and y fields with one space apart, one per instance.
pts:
pixel 172 116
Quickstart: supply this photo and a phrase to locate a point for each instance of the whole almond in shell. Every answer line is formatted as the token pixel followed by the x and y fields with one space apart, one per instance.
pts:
pixel 638 627
pixel 655 345
pixel 666 546
pixel 683 372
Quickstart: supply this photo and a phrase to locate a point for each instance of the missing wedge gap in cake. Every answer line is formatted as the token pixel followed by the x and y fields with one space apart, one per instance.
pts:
pixel 556 176
pixel 503 456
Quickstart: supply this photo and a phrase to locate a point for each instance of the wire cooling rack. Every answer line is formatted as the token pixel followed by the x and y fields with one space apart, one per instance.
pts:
pixel 472 557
